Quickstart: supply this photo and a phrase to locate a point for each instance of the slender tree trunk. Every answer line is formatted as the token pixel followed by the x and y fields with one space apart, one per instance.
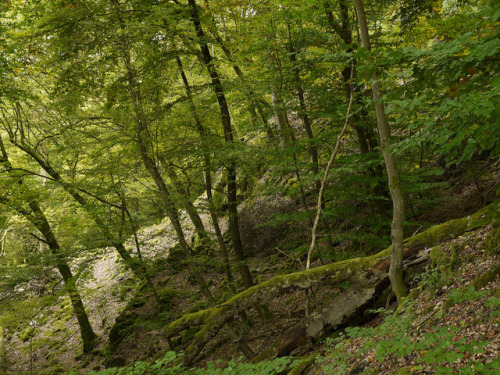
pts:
pixel 366 136
pixel 254 100
pixel 188 205
pixel 38 219
pixel 208 177
pixel 285 131
pixel 132 263
pixel 228 136
pixel 307 125
pixel 303 110
pixel 397 233
pixel 149 163
pixel 3 359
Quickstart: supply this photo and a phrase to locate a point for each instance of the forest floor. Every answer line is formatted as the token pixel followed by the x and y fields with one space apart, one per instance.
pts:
pixel 110 293
pixel 453 318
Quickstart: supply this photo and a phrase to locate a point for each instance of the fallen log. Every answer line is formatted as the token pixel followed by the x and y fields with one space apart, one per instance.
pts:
pixel 363 273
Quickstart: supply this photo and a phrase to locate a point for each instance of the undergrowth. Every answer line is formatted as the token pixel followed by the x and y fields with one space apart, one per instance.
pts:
pixel 168 365
pixel 444 349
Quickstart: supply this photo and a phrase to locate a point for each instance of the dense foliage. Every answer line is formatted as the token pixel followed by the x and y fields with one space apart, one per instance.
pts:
pixel 117 114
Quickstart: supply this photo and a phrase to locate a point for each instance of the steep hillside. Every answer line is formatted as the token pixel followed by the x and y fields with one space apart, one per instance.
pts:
pixel 450 320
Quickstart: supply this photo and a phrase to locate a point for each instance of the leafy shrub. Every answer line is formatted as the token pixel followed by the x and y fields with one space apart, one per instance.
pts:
pixel 169 366
pixel 396 338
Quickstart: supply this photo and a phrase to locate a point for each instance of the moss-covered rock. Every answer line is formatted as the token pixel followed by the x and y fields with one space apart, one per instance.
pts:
pixel 402 371
pixel 28 333
pixel 488 277
pixel 176 258
pixel 121 329
pixel 491 244
pixel 303 365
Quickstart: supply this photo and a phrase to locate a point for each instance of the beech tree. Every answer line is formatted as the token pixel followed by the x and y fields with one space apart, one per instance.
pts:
pixel 34 214
pixel 397 230
pixel 216 120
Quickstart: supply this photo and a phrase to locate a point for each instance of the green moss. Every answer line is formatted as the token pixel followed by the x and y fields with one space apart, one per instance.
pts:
pixel 491 244
pixel 167 296
pixel 414 293
pixel 57 369
pixel 488 277
pixel 28 333
pixel 114 362
pixel 49 355
pixel 121 329
pixel 303 365
pixel 439 233
pixel 440 258
pixel 452 228
pixel 270 352
pixel 402 371
pixel 188 334
pixel 202 246
pixel 176 258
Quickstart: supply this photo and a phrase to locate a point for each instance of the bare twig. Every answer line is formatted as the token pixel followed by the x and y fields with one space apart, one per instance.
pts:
pixel 323 182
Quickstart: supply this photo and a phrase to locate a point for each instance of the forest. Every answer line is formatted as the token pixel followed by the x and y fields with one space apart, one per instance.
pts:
pixel 249 187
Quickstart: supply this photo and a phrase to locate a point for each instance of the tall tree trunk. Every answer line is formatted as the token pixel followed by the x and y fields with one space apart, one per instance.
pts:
pixel 366 138
pixel 285 131
pixel 188 205
pixel 365 133
pixel 168 202
pixel 208 177
pixel 397 230
pixel 254 100
pixel 150 165
pixel 303 110
pixel 38 219
pixel 228 136
pixel 133 264
pixel 307 125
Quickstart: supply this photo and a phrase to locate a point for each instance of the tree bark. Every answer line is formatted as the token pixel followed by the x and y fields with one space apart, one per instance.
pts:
pixel 149 163
pixel 188 205
pixel 38 219
pixel 313 151
pixel 208 177
pixel 397 229
pixel 132 263
pixel 228 136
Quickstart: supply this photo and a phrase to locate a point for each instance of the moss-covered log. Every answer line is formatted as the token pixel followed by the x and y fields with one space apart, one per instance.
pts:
pixel 364 271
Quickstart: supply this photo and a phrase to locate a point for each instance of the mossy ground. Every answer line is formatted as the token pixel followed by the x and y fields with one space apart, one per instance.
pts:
pixel 455 301
pixel 139 334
